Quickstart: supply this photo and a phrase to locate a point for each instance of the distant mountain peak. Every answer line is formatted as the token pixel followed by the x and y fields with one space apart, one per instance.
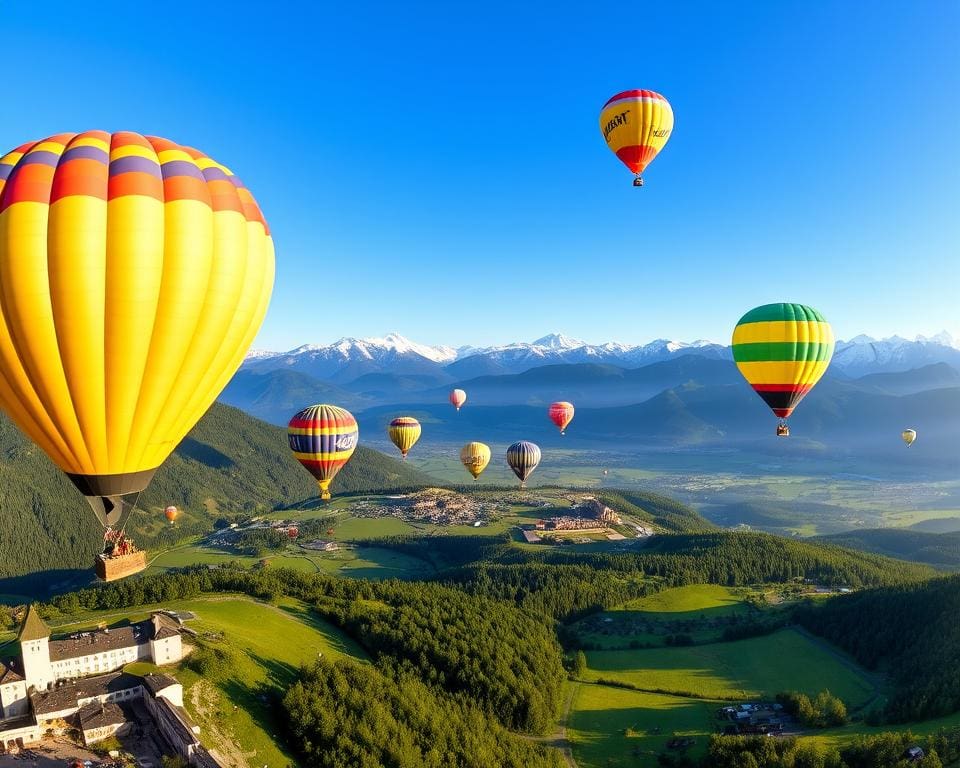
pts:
pixel 559 341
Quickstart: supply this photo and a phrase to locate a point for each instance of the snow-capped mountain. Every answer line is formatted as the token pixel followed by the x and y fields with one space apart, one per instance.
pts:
pixel 862 355
pixel 348 359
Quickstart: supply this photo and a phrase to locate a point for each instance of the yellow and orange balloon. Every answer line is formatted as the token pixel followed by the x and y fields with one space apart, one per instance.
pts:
pixel 134 274
pixel 636 125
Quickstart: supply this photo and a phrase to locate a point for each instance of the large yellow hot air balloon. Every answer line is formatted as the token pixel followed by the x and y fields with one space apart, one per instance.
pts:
pixel 782 350
pixel 636 125
pixel 404 433
pixel 475 457
pixel 134 273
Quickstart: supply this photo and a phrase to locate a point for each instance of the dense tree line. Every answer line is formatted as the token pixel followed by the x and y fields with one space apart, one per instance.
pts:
pixel 885 750
pixel 507 662
pixel 344 714
pixel 911 632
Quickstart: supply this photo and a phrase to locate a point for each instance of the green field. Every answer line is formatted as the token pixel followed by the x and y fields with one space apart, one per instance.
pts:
pixel 237 715
pixel 699 611
pixel 349 561
pixel 744 669
pixel 610 727
pixel 690 602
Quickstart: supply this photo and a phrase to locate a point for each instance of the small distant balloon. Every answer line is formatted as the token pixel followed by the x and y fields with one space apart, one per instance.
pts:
pixel 523 457
pixel 323 438
pixel 457 398
pixel 404 433
pixel 293 532
pixel 909 435
pixel 561 414
pixel 475 457
pixel 606 472
pixel 171 513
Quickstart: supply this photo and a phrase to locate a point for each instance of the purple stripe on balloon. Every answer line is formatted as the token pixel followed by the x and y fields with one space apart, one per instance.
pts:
pixel 41 157
pixel 134 164
pixel 214 174
pixel 5 171
pixel 180 168
pixel 236 182
pixel 85 153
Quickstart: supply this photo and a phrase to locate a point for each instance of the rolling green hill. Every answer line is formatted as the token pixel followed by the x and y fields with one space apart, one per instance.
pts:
pixel 230 463
pixel 941 550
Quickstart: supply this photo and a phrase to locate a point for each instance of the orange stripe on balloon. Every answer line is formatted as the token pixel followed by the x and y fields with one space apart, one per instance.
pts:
pixel 144 184
pixel 80 177
pixel 30 184
pixel 185 188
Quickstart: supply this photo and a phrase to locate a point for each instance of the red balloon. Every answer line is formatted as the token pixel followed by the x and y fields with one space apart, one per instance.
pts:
pixel 561 414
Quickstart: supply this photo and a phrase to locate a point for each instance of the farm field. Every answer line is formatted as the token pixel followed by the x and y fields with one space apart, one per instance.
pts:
pixel 236 714
pixel 699 611
pixel 351 562
pixel 611 727
pixel 743 669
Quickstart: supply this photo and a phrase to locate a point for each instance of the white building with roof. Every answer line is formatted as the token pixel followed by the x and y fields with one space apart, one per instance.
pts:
pixel 55 679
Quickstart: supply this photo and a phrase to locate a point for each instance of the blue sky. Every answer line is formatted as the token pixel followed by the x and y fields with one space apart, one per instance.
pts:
pixel 437 168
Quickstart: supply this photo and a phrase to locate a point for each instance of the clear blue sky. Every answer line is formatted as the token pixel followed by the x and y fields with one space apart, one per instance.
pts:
pixel 437 169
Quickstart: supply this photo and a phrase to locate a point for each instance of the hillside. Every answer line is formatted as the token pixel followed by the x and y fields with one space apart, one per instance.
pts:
pixel 229 463
pixel 911 632
pixel 941 550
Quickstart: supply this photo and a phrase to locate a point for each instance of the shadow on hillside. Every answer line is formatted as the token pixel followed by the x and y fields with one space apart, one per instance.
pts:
pixel 205 454
pixel 42 585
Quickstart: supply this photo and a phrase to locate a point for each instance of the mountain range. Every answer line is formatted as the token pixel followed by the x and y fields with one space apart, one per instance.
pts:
pixel 349 359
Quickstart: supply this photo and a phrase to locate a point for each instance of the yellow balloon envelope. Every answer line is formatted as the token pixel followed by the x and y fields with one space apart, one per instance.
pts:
pixel 636 125
pixel 404 433
pixel 475 457
pixel 134 274
pixel 909 435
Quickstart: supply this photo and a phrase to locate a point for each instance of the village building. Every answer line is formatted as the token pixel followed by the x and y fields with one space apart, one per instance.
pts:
pixel 77 682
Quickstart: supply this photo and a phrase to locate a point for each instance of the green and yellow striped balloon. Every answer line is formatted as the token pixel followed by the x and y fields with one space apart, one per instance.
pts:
pixel 782 350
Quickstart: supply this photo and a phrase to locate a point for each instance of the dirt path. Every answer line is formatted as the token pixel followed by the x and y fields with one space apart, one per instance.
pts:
pixel 558 739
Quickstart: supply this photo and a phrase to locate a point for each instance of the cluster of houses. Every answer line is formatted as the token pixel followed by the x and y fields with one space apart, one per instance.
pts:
pixel 438 506
pixel 75 683
pixel 754 718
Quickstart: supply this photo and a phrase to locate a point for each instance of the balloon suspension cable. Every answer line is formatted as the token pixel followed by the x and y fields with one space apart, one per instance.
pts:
pixel 133 509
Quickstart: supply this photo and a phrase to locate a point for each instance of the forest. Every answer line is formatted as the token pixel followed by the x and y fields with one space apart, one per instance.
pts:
pixel 909 631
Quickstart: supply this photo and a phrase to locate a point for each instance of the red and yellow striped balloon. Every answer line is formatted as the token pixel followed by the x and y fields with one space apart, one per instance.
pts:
pixel 636 125
pixel 134 273
pixel 457 398
pixel 782 350
pixel 323 438
pixel 404 432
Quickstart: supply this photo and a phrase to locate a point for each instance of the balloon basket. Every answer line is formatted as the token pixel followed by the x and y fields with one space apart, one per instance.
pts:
pixel 119 567
pixel 638 182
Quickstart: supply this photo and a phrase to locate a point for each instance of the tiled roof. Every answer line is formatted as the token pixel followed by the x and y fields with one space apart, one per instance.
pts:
pixel 89 643
pixel 96 715
pixel 68 695
pixel 10 671
pixel 157 683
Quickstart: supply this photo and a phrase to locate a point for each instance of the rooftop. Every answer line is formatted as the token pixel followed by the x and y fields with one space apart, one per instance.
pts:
pixel 68 695
pixel 98 641
pixel 157 683
pixel 97 715
pixel 10 671
pixel 33 627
